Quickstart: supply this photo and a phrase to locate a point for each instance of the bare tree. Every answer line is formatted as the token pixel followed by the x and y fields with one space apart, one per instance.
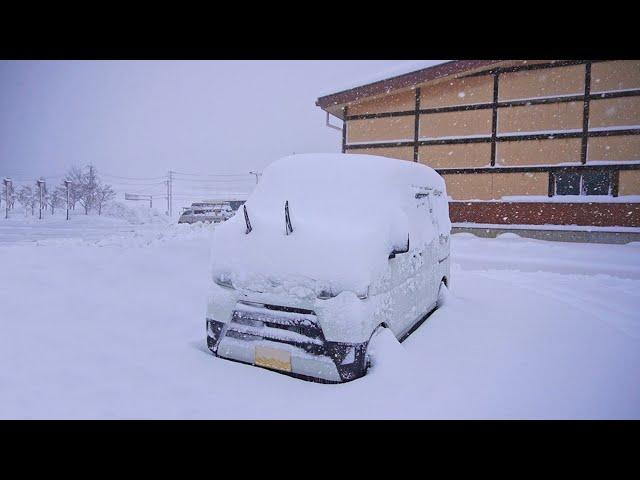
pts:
pixel 103 194
pixel 12 195
pixel 85 189
pixel 57 198
pixel 88 188
pixel 75 175
pixel 27 198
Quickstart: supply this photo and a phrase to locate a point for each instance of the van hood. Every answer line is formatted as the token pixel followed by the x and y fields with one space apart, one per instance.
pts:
pixel 316 258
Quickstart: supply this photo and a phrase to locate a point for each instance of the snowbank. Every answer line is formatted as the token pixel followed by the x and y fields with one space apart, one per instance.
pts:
pixel 135 214
pixel 136 237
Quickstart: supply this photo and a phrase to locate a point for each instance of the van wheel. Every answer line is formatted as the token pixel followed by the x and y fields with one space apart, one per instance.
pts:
pixel 367 356
pixel 443 294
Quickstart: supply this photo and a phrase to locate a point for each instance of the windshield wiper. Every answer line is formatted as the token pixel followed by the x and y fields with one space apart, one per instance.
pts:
pixel 246 220
pixel 287 219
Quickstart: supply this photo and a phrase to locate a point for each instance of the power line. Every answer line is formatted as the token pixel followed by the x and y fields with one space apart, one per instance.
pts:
pixel 213 180
pixel 221 192
pixel 205 192
pixel 132 178
pixel 133 183
pixel 213 174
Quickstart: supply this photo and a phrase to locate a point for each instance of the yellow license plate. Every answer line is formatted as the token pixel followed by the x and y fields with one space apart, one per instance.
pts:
pixel 273 358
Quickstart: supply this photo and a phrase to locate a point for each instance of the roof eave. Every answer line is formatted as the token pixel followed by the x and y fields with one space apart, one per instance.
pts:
pixel 405 80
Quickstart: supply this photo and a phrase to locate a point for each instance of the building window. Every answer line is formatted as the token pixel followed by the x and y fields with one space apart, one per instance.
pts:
pixel 567 183
pixel 590 183
pixel 596 183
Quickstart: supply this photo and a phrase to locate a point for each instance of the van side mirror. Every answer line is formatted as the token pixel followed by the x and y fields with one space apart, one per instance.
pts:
pixel 395 251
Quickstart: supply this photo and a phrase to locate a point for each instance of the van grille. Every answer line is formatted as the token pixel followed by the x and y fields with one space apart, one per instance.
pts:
pixel 291 325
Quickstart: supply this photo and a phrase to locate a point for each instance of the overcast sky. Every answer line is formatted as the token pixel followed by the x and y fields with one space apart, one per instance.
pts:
pixel 143 118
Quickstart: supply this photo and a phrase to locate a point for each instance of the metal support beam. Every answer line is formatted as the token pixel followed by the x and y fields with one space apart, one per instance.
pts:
pixel 170 193
pixel 40 183
pixel 7 188
pixel 494 118
pixel 585 113
pixel 344 129
pixel 67 183
pixel 416 131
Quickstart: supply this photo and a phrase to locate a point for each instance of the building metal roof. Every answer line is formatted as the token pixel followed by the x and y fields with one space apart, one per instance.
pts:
pixel 402 81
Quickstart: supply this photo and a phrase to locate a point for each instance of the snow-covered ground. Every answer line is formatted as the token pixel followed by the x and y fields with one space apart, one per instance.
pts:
pixel 117 218
pixel 110 324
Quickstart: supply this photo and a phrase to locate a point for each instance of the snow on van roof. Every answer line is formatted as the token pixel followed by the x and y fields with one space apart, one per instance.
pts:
pixel 350 180
pixel 348 212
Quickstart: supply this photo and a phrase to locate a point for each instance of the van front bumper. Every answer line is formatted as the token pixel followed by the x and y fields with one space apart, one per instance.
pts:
pixel 323 362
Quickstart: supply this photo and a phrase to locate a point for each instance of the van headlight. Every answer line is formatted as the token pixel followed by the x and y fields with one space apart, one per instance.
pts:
pixel 327 294
pixel 224 281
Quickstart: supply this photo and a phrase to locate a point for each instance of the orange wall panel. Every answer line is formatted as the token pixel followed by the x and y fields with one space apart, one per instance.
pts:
pixel 614 148
pixel 629 182
pixel 398 102
pixel 547 82
pixel 611 112
pixel 381 129
pixel 538 152
pixel 402 153
pixel 540 118
pixel 457 91
pixel 616 75
pixel 470 155
pixel 455 124
pixel 518 183
pixel 476 186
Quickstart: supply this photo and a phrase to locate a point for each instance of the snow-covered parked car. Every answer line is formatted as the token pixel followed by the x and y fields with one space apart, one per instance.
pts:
pixel 326 250
pixel 206 212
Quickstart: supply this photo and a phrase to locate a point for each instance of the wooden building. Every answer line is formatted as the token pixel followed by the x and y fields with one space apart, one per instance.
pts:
pixel 518 142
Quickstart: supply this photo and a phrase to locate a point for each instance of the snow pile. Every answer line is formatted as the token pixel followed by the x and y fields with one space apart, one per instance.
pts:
pixel 136 237
pixel 149 237
pixel 135 214
pixel 512 252
pixel 348 212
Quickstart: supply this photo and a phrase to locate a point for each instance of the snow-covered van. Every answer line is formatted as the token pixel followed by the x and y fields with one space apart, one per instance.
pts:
pixel 326 250
pixel 207 212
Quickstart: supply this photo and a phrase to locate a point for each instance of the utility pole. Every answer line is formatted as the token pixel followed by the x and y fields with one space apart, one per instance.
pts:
pixel 40 183
pixel 257 174
pixel 167 184
pixel 7 187
pixel 66 184
pixel 170 193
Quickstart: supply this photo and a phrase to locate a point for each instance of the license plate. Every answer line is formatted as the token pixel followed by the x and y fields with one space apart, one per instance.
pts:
pixel 273 358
